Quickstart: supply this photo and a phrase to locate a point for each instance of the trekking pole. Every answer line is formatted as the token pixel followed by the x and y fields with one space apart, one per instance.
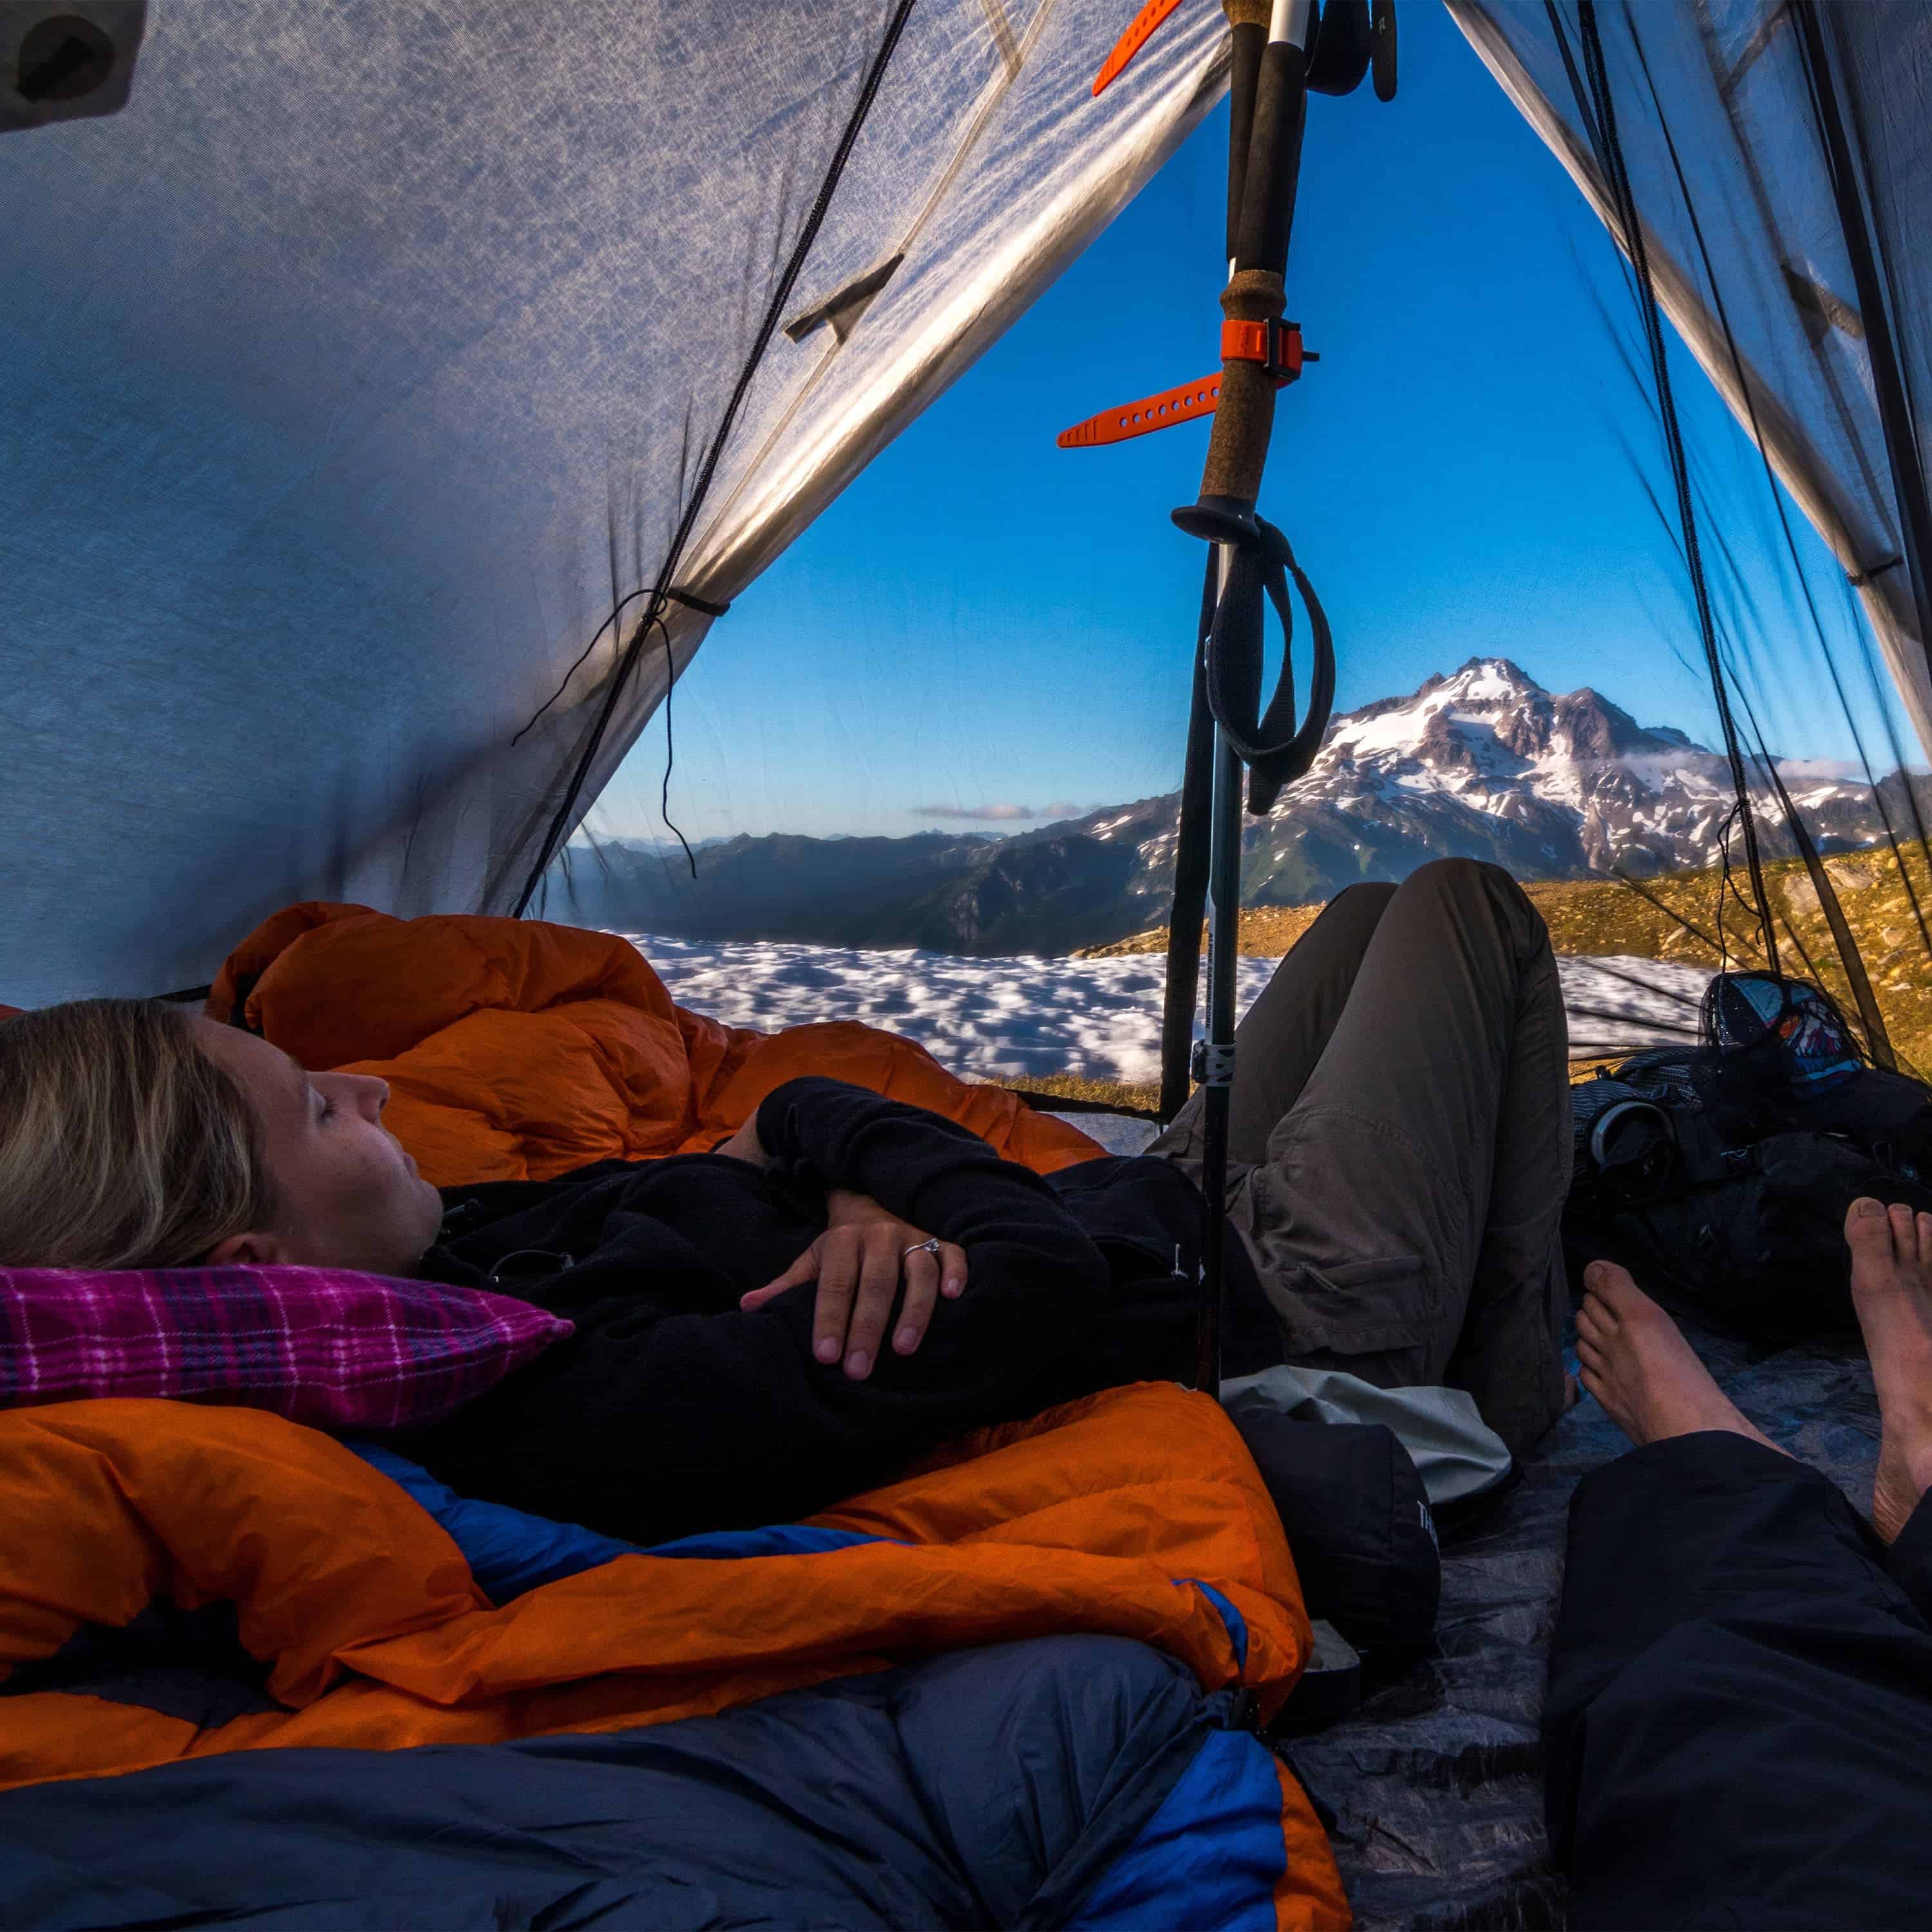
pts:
pixel 1214 1064
pixel 1281 50
pixel 1271 39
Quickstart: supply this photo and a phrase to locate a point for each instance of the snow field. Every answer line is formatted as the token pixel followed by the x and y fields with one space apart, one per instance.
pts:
pixel 1099 1018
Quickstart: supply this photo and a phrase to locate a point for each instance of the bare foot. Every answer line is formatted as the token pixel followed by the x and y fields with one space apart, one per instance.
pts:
pixel 1892 1288
pixel 1638 1365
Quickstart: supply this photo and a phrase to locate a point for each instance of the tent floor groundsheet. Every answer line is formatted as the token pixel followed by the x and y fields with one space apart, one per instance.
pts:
pixel 1436 1780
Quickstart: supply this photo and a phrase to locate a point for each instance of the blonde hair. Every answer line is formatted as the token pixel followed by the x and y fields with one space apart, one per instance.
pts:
pixel 122 1145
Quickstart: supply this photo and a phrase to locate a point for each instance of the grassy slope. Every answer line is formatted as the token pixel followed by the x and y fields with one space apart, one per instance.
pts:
pixel 1679 920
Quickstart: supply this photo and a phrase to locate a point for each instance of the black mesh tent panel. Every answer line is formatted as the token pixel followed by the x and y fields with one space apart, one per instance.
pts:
pixel 1761 287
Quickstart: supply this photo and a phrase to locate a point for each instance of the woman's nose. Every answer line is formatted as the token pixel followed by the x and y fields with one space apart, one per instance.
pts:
pixel 374 1090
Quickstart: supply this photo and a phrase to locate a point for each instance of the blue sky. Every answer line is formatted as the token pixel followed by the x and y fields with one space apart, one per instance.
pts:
pixel 984 623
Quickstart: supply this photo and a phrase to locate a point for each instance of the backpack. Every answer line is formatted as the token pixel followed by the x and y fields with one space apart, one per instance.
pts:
pixel 1720 1174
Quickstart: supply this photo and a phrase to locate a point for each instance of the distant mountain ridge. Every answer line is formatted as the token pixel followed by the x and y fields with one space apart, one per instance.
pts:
pixel 1483 763
pixel 781 886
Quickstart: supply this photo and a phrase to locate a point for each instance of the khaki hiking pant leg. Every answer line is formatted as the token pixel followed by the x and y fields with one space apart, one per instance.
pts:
pixel 1281 1036
pixel 1406 1214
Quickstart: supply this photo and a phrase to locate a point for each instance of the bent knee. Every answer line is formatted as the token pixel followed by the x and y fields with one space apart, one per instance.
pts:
pixel 1459 875
pixel 1368 895
pixel 1468 878
pixel 1476 882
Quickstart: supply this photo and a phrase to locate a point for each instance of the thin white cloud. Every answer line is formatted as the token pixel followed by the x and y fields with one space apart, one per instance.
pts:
pixel 998 814
pixel 1818 768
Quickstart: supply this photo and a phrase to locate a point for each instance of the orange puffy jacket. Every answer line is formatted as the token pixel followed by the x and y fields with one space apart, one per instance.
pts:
pixel 517 1050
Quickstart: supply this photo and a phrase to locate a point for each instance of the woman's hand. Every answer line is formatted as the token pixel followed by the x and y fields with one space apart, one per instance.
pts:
pixel 859 1263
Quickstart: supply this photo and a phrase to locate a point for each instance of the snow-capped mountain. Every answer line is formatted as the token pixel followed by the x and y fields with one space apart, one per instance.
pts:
pixel 1484 763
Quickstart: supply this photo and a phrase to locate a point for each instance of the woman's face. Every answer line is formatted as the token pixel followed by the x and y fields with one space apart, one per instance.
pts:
pixel 349 1195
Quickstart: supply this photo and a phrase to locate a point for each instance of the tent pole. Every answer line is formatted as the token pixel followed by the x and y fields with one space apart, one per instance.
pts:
pixel 1216 1059
pixel 1179 996
pixel 1270 90
pixel 1274 60
pixel 1895 408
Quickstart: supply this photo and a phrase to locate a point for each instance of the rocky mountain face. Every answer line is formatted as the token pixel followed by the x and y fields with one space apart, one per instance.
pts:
pixel 1484 763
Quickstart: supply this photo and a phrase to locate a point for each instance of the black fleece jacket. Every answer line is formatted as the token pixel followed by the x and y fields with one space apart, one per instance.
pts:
pixel 671 1410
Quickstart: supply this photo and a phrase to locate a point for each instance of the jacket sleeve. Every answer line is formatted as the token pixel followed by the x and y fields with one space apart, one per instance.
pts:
pixel 646 1425
pixel 926 1169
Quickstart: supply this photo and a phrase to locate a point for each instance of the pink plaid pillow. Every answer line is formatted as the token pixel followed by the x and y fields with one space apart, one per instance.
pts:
pixel 322 1346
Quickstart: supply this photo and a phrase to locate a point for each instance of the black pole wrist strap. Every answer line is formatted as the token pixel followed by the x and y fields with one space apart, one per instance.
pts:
pixel 1227 692
pixel 1275 750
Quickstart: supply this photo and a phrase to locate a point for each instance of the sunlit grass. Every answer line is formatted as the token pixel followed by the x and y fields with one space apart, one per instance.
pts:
pixel 1679 916
pixel 1076 1087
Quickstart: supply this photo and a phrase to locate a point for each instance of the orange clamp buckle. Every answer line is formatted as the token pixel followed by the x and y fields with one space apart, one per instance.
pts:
pixel 1276 346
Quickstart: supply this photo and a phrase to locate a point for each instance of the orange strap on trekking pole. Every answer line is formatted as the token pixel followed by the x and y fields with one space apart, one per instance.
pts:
pixel 1181 404
pixel 1276 345
pixel 1130 43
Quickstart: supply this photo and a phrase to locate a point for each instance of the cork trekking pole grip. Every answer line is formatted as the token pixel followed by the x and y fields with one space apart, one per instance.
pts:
pixel 1269 87
pixel 1244 418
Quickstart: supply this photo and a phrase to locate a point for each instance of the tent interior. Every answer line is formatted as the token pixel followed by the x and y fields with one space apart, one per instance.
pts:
pixel 397 397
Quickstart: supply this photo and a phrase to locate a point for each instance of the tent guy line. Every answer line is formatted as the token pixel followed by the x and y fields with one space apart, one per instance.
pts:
pixel 566 819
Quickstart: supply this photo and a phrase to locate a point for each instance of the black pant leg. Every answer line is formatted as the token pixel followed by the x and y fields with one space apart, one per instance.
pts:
pixel 1738 1728
pixel 1908 1561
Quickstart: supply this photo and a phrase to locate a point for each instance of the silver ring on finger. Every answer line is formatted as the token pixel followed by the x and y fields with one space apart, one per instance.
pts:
pixel 931 1247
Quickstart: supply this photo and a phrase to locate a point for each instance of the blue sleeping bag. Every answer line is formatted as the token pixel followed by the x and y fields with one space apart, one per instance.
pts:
pixel 1082 1781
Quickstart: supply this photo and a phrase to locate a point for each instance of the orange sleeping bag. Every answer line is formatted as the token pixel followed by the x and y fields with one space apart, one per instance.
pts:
pixel 517 1050
pixel 1127 1514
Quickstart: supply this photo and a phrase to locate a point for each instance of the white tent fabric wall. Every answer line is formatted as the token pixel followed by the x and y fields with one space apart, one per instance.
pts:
pixel 354 371
pixel 1730 88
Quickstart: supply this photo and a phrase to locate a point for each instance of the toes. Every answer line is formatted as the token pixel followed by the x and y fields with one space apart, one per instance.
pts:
pixel 1592 1318
pixel 1904 1234
pixel 1607 1282
pixel 1618 1295
pixel 1925 1241
pixel 1868 1231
